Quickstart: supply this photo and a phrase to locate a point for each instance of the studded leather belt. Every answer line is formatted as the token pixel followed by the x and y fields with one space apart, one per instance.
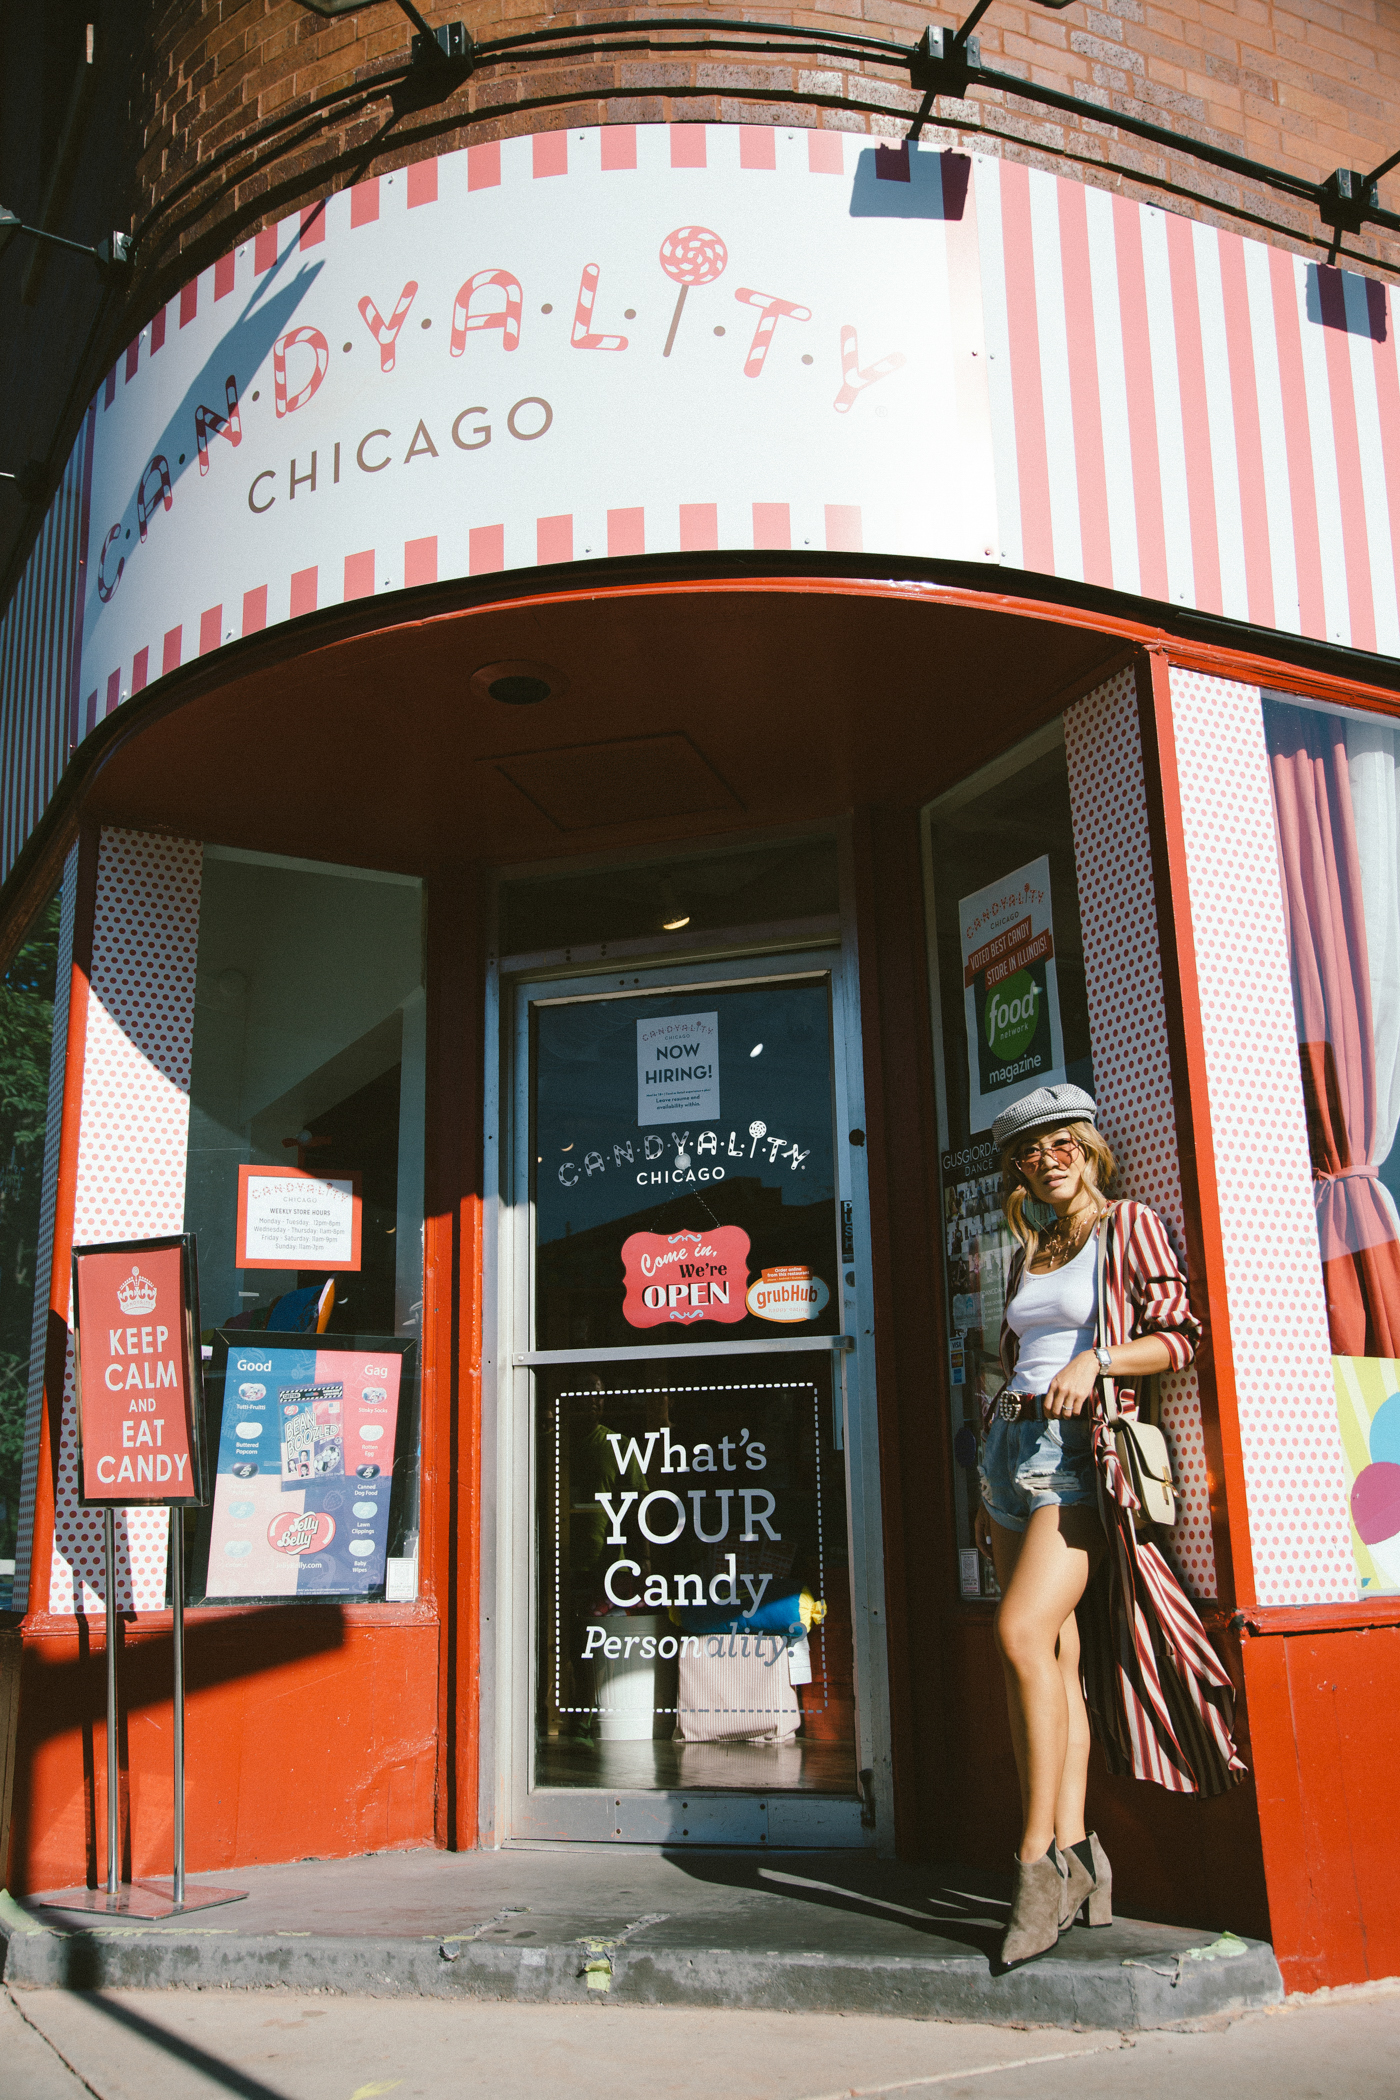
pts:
pixel 1021 1407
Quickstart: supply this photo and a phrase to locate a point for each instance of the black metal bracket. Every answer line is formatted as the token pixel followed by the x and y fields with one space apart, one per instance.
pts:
pixel 1346 200
pixel 451 45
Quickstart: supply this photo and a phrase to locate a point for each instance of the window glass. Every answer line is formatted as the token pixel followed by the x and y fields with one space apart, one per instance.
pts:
pixel 1010 1013
pixel 26 1034
pixel 304 1188
pixel 762 886
pixel 1335 777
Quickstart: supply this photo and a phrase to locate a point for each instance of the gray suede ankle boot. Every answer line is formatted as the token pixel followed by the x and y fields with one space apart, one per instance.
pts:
pixel 1036 1906
pixel 1083 1888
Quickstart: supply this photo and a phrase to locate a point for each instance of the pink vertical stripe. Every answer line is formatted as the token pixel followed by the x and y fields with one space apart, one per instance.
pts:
pixel 90 713
pixel 1383 318
pixel 484 166
pixel 211 629
pixel 1142 400
pixel 1195 414
pixel 1249 442
pixel 843 528
pixel 551 153
pixel 359 576
pixel 189 301
pixel 133 357
pixel 303 593
pixel 619 146
pixel 825 155
pixel 255 610
pixel 1086 411
pixel 114 692
pixel 486 544
pixel 109 390
pixel 554 538
pixel 158 330
pixel 626 532
pixel 420 561
pixel 264 250
pixel 423 182
pixel 170 653
pixel 772 525
pixel 140 670
pixel 757 147
pixel 1028 404
pixel 313 225
pixel 699 527
pixel 1346 442
pixel 225 275
pixel 687 145
pixel 1297 440
pixel 364 203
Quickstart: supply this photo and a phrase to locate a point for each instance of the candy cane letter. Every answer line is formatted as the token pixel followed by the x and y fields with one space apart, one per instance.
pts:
pixel 159 467
pixel 386 333
pixel 853 379
pixel 774 310
pixel 506 318
pixel 209 423
pixel 313 340
pixel 105 589
pixel 582 337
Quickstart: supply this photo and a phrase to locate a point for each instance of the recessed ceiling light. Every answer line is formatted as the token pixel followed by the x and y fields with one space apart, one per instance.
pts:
pixel 674 925
pixel 518 682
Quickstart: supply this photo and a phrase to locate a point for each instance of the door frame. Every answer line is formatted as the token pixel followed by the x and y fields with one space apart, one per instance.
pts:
pixel 507 1679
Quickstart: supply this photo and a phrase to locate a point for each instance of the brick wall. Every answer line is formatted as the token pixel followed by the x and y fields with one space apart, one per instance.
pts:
pixel 1306 85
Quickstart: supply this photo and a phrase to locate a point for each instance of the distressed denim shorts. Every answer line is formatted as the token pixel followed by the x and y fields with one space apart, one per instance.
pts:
pixel 1026 1466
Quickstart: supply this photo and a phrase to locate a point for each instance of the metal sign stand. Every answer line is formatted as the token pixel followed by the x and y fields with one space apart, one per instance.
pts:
pixel 161 1897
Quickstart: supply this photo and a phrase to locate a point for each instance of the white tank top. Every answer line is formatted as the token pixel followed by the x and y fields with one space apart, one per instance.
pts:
pixel 1053 1315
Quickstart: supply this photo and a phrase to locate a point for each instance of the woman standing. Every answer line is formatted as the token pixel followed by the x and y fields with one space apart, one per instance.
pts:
pixel 1040 1519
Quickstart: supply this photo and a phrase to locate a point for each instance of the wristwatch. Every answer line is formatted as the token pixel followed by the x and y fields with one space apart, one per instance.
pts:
pixel 1104 1359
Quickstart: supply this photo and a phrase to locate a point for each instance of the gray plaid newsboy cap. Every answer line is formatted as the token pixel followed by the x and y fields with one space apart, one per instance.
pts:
pixel 1048 1104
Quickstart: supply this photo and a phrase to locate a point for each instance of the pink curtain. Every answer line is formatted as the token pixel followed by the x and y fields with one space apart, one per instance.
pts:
pixel 1326 926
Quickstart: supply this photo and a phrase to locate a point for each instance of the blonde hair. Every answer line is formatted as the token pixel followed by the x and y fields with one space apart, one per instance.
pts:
pixel 1099 1170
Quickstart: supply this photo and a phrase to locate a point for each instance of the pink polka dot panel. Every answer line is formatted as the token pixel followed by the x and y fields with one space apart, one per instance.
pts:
pixel 1128 1035
pixel 131 1154
pixel 1295 1477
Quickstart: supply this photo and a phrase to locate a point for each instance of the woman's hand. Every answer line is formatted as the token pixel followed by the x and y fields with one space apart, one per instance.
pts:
pixel 982 1532
pixel 1070 1391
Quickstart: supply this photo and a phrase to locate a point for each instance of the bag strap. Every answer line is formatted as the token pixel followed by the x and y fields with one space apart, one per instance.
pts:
pixel 1109 1385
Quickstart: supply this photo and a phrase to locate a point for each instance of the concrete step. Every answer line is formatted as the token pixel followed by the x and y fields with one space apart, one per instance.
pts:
pixel 784 1931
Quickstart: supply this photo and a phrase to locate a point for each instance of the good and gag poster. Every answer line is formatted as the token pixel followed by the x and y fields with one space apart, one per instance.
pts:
pixel 306 1455
pixel 1014 1038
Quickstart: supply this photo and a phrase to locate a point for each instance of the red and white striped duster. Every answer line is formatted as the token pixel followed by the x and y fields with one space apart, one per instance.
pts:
pixel 1159 1699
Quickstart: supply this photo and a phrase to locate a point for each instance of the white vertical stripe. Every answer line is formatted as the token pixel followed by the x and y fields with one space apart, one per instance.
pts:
pixel 1373 489
pixel 1220 415
pixel 1166 387
pixel 986 174
pixel 1336 609
pixel 1113 392
pixel 1283 558
pixel 1050 295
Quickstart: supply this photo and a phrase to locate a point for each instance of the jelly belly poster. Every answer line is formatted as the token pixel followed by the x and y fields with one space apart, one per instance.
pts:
pixel 306 1456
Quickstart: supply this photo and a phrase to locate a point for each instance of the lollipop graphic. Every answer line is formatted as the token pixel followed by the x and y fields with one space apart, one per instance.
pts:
pixel 691 255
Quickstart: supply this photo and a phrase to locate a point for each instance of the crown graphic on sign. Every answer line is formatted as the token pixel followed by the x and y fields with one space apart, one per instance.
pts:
pixel 136 1296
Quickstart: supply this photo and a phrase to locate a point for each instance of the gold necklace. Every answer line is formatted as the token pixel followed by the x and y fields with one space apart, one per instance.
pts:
pixel 1061 1246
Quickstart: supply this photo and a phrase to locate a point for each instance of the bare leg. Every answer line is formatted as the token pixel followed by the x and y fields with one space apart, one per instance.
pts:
pixel 1047 1571
pixel 1069 1805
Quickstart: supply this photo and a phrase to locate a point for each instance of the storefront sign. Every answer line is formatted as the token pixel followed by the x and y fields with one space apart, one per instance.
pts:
pixel 137 1373
pixel 787 1294
pixel 291 1219
pixel 677 1067
pixel 1014 1038
pixel 305 1467
pixel 479 363
pixel 685 1276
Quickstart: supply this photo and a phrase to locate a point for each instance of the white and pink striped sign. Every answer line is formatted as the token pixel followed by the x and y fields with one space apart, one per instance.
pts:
pixel 580 345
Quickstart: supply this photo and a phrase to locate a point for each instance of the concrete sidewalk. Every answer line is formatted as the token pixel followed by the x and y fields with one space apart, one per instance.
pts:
pixel 537 1925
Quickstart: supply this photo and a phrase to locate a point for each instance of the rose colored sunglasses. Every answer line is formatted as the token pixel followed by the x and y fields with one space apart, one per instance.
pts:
pixel 1061 1149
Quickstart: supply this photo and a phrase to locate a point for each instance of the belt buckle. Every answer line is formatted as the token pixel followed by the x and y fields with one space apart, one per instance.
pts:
pixel 1009 1406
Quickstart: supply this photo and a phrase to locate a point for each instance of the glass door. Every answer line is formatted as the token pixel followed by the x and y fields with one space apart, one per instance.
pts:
pixel 691 1510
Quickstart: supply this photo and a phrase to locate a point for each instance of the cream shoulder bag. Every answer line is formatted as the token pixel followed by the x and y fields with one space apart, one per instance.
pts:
pixel 1141 1446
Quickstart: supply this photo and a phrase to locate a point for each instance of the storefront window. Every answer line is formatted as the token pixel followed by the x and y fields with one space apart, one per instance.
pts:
pixel 1336 787
pixel 304 1188
pixel 1010 1013
pixel 26 1033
